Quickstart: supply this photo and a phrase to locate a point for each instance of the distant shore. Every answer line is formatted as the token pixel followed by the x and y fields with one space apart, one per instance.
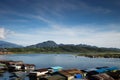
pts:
pixel 89 54
pixel 100 55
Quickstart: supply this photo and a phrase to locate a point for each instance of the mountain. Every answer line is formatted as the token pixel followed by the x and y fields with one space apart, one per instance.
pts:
pixel 44 44
pixel 52 46
pixel 4 44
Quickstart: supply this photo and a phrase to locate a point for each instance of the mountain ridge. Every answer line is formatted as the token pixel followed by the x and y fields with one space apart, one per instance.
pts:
pixel 38 45
pixel 5 44
pixel 44 44
pixel 73 47
pixel 51 46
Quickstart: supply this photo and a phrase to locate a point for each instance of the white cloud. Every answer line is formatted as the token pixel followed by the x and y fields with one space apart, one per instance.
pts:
pixel 41 18
pixel 103 39
pixel 2 33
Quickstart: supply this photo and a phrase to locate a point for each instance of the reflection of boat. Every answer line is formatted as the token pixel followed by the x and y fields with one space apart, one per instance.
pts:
pixel 18 75
pixel 2 67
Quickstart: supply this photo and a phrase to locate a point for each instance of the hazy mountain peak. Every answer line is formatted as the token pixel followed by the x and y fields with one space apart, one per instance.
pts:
pixel 45 44
pixel 5 44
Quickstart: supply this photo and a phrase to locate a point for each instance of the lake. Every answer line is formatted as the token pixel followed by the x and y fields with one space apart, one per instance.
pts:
pixel 65 60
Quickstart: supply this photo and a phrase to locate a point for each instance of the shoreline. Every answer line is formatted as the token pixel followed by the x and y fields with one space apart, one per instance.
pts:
pixel 90 55
pixel 100 55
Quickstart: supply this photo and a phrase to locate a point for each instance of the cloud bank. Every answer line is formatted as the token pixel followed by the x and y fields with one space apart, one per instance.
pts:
pixel 2 33
pixel 66 35
pixel 5 33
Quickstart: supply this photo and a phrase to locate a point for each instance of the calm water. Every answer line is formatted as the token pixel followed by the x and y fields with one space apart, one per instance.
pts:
pixel 64 60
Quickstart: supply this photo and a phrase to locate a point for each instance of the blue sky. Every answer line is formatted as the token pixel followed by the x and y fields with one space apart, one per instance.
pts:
pixel 92 22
